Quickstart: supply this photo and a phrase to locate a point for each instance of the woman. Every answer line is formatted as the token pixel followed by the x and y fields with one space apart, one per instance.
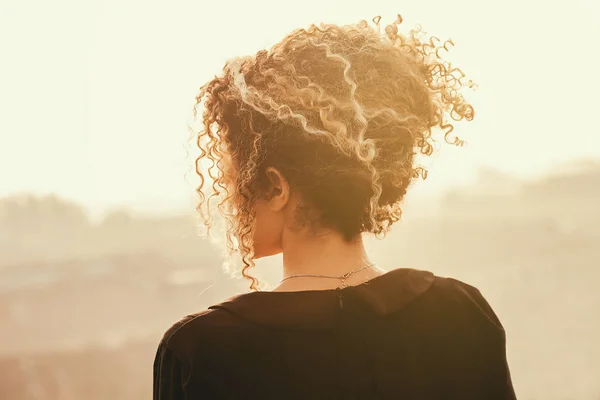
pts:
pixel 312 144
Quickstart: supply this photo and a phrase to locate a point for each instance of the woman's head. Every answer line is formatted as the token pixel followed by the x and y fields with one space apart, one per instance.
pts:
pixel 321 132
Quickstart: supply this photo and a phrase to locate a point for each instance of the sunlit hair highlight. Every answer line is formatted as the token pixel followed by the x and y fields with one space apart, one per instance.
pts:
pixel 342 111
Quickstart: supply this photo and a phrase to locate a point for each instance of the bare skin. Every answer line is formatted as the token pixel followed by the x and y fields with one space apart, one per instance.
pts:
pixel 304 252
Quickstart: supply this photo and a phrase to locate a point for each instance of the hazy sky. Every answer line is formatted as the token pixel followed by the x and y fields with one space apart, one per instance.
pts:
pixel 95 95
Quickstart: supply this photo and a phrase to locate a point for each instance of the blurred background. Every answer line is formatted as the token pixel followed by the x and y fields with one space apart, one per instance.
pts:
pixel 99 252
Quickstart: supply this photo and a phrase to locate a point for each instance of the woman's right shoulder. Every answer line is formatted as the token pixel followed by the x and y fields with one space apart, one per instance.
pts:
pixel 462 299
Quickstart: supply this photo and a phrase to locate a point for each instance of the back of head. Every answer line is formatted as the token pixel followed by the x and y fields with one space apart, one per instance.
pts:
pixel 341 111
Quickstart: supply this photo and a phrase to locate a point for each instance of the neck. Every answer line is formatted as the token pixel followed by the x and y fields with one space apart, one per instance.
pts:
pixel 326 254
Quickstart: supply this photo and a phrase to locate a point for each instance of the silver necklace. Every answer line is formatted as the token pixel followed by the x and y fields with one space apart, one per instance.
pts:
pixel 342 277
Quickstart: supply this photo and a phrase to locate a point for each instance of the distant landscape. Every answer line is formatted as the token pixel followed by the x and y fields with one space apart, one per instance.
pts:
pixel 83 304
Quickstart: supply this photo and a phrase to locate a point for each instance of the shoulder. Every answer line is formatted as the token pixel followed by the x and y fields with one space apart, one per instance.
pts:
pixel 465 329
pixel 197 328
pixel 463 301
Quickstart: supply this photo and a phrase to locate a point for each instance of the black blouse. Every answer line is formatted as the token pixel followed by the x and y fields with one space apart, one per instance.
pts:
pixel 406 334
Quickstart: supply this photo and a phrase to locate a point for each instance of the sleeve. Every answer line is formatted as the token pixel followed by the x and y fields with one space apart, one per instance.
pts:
pixel 497 381
pixel 168 375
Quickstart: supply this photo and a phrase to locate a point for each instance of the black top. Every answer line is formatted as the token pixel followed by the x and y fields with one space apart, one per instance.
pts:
pixel 406 334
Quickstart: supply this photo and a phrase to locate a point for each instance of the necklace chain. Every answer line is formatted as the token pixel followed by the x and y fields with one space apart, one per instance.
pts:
pixel 342 277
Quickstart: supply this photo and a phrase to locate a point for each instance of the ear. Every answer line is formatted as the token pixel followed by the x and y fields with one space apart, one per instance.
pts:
pixel 279 189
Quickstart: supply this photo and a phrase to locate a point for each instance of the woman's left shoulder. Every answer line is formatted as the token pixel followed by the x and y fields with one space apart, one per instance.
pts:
pixel 197 328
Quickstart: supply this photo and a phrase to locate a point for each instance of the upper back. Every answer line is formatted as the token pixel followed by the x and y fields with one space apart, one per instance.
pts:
pixel 405 334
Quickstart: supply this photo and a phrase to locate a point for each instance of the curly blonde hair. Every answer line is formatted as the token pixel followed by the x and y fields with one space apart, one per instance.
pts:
pixel 341 111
